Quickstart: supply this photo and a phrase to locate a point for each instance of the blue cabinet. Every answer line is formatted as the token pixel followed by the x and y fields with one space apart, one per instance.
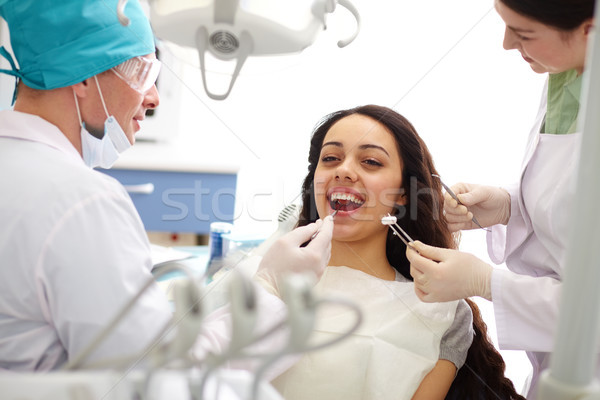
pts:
pixel 175 201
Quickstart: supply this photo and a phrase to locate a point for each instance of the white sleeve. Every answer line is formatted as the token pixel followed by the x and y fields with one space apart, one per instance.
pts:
pixel 95 260
pixel 503 240
pixel 530 328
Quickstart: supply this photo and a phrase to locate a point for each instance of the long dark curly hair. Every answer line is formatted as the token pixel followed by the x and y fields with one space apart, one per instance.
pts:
pixel 421 217
pixel 482 376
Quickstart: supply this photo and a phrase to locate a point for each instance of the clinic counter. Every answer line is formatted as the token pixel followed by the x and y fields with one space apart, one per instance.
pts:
pixel 178 187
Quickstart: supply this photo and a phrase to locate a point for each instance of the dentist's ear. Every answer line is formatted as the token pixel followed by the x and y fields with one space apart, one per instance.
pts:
pixel 81 88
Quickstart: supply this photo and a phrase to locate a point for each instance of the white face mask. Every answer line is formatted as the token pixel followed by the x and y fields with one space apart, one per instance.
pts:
pixel 102 152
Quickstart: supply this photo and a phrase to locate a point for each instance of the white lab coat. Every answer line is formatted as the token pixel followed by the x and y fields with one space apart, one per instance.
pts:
pixel 73 251
pixel 526 296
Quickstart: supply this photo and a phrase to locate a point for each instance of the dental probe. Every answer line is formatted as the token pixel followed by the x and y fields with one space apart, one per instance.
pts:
pixel 455 197
pixel 333 214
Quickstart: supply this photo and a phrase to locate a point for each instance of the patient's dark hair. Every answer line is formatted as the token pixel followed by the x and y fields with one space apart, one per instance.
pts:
pixel 421 216
pixel 482 376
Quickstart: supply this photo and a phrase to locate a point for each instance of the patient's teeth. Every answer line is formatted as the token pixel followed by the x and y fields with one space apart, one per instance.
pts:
pixel 347 197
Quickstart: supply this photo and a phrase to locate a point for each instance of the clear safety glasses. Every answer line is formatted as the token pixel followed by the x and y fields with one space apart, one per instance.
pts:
pixel 138 72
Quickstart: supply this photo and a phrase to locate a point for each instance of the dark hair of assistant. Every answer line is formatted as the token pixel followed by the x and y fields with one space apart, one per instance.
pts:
pixel 482 376
pixel 565 15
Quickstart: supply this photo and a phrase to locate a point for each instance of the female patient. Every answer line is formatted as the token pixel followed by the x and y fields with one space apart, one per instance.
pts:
pixel 367 162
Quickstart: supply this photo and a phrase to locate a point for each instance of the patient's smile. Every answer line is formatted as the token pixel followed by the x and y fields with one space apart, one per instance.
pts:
pixel 345 201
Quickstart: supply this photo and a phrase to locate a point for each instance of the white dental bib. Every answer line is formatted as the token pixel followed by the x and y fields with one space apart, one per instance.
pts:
pixel 387 358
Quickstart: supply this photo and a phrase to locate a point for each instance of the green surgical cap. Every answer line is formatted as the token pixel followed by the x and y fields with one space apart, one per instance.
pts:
pixel 58 43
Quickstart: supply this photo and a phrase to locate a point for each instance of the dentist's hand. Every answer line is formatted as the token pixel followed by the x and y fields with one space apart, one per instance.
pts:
pixel 489 204
pixel 286 256
pixel 445 274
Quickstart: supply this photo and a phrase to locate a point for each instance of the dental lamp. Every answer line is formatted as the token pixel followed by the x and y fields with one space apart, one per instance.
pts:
pixel 236 29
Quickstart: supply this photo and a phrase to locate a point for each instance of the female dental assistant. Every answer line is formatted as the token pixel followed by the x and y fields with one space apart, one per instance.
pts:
pixel 528 220
pixel 73 250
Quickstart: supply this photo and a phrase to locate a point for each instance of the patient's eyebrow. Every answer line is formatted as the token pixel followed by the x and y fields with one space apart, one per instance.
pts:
pixel 362 146
pixel 373 146
pixel 337 144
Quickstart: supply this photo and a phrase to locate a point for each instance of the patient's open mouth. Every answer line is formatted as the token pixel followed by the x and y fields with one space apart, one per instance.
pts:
pixel 343 201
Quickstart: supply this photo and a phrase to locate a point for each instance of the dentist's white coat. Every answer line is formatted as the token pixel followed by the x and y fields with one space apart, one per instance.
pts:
pixel 526 297
pixel 73 251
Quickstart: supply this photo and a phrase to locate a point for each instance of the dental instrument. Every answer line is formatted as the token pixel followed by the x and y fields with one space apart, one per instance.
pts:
pixel 333 214
pixel 286 220
pixel 455 197
pixel 391 221
pixel 302 304
pixel 244 315
pixel 187 309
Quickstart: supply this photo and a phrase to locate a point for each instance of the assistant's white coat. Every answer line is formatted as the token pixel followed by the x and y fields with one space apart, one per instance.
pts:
pixel 533 245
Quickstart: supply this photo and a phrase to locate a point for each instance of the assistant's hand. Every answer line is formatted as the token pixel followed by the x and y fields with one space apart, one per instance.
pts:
pixel 489 204
pixel 286 256
pixel 446 274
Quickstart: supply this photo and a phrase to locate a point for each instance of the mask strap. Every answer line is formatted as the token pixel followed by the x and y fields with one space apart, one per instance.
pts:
pixel 101 97
pixel 14 71
pixel 77 108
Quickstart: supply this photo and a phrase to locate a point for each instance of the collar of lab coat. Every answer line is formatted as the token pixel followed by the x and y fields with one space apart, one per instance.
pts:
pixel 31 127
